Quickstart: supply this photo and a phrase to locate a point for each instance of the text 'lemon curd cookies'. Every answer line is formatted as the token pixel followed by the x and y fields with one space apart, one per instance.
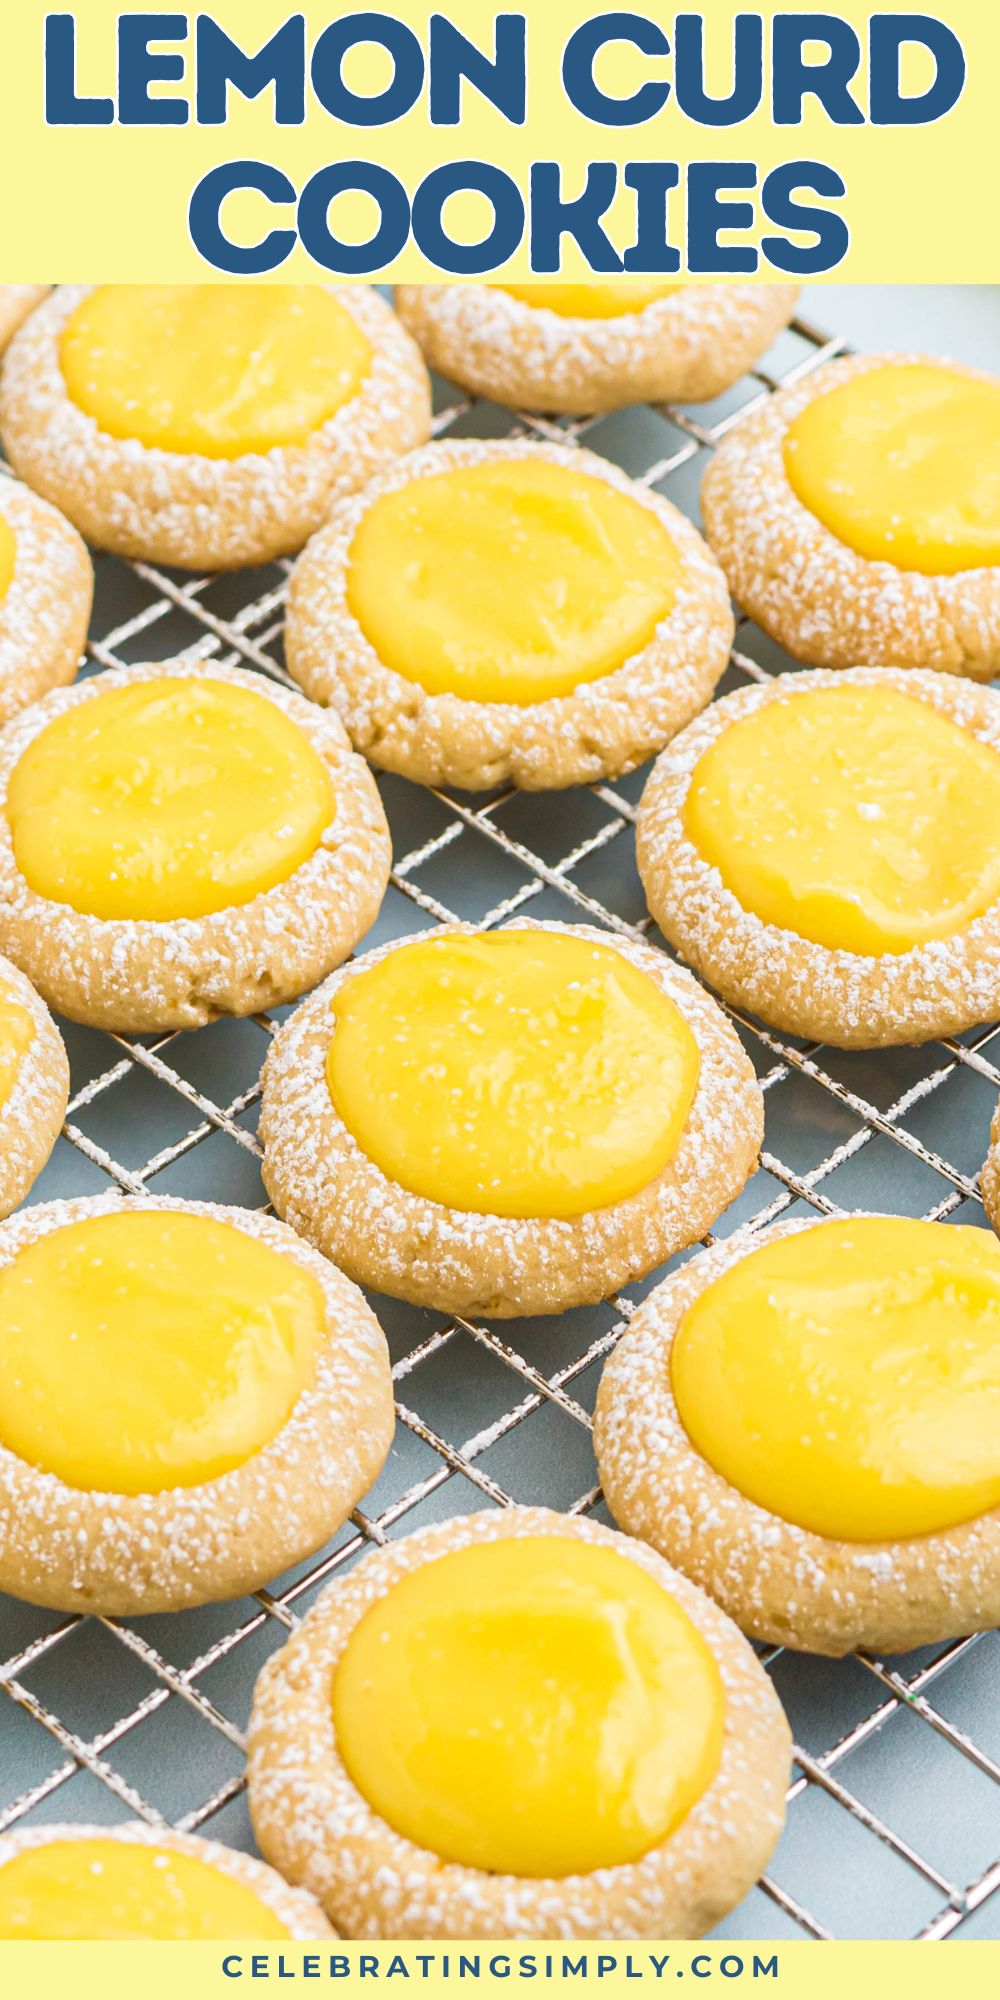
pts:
pixel 46 591
pixel 34 1085
pixel 208 426
pixel 489 612
pixel 825 851
pixel 807 1423
pixel 182 841
pixel 991 1174
pixel 16 302
pixel 126 1883
pixel 507 1122
pixel 592 346
pixel 429 1753
pixel 191 1401
pixel 857 515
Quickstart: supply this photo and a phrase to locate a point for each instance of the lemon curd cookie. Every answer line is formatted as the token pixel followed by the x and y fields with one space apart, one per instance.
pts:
pixel 34 1085
pixel 806 1423
pixel 590 347
pixel 825 851
pixel 991 1174
pixel 381 1769
pixel 857 515
pixel 191 1400
pixel 46 592
pixel 489 612
pixel 507 1122
pixel 126 1883
pixel 16 302
pixel 182 841
pixel 208 426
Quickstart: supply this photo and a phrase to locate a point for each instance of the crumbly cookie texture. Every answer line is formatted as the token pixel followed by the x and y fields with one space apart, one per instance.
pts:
pixel 45 610
pixel 125 1555
pixel 687 347
pixel 137 976
pixel 782 1584
pixel 605 727
pixel 841 997
pixel 315 1826
pixel 818 598
pixel 16 302
pixel 499 1266
pixel 31 1117
pixel 991 1174
pixel 196 512
pixel 295 1908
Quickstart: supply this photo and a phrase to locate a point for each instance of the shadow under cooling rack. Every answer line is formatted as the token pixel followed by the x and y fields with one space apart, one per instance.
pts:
pixel 894 1810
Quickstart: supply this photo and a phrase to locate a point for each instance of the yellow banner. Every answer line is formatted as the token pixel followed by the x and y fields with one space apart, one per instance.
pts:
pixel 492 1971
pixel 419 140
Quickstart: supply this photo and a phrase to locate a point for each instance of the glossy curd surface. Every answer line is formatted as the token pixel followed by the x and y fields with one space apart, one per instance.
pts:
pixel 515 1073
pixel 847 1378
pixel 536 1706
pixel 859 818
pixel 140 1352
pixel 215 370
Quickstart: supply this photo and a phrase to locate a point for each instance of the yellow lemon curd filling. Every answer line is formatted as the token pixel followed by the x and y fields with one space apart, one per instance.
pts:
pixel 113 1889
pixel 861 819
pixel 165 800
pixel 143 1352
pixel 219 370
pixel 903 465
pixel 848 1378
pixel 8 556
pixel 510 581
pixel 534 1706
pixel 17 1032
pixel 592 301
pixel 519 1073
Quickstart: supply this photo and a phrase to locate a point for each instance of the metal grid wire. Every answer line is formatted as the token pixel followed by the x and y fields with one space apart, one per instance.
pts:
pixel 894 1809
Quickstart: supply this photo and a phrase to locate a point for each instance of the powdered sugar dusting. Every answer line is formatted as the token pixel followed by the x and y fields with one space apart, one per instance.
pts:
pixel 16 302
pixel 45 610
pixel 33 1112
pixel 686 347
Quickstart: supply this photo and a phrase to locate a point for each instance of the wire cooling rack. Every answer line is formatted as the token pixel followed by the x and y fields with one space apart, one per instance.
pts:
pixel 894 1809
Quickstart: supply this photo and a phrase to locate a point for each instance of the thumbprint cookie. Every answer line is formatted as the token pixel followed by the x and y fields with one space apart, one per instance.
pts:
pixel 507 1122
pixel 63 1883
pixel 857 515
pixel 181 841
pixel 46 592
pixel 208 426
pixel 486 613
pixel 191 1401
pixel 518 1724
pixel 34 1086
pixel 581 348
pixel 825 850
pixel 806 1422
